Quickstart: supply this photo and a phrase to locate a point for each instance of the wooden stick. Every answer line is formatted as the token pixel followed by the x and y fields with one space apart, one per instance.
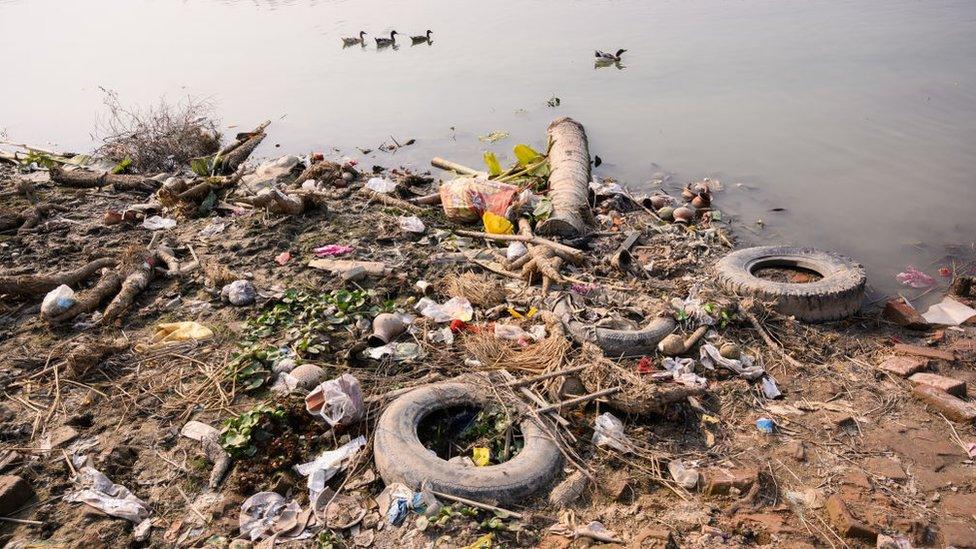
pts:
pixel 580 399
pixel 543 377
pixel 694 337
pixel 390 200
pixel 566 252
pixel 769 340
pixel 477 504
pixel 443 164
pixel 621 258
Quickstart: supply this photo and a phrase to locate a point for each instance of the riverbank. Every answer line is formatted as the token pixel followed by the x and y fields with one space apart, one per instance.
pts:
pixel 849 450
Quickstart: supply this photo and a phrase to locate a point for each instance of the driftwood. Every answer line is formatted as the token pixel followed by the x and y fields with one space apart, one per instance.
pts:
pixel 569 181
pixel 231 157
pixel 86 302
pixel 443 164
pixel 135 283
pixel 566 252
pixel 35 285
pixel 84 179
pixel 278 202
pixel 390 200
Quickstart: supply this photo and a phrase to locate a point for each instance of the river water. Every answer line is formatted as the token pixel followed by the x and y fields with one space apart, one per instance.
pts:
pixel 858 119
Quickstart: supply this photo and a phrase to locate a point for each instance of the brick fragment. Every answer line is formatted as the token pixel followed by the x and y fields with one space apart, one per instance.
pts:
pixel 904 366
pixel 14 493
pixel 900 312
pixel 951 407
pixel 719 483
pixel 845 522
pixel 924 352
pixel 950 385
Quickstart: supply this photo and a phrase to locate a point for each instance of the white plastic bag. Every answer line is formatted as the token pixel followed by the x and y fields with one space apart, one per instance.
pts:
pixel 381 185
pixel 609 431
pixel 338 401
pixel 58 301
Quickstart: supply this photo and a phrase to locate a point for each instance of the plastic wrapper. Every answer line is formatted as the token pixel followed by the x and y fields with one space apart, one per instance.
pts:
pixel 327 464
pixel 380 185
pixel 338 401
pixel 411 224
pixel 57 301
pixel 106 496
pixel 467 199
pixel 609 431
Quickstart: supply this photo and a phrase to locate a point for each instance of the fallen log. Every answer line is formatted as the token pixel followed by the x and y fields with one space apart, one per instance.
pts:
pixel 86 302
pixel 36 285
pixel 84 179
pixel 569 181
pixel 228 160
pixel 135 283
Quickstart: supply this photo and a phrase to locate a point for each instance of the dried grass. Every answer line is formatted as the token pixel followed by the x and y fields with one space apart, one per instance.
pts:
pixel 158 138
pixel 481 290
pixel 495 353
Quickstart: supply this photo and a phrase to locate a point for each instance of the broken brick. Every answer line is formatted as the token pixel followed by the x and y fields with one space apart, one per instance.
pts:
pixel 900 312
pixel 846 523
pixel 14 493
pixel 950 385
pixel 903 366
pixel 951 407
pixel 924 352
pixel 718 483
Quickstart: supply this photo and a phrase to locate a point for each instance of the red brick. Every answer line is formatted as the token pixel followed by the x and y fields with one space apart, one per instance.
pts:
pixel 719 483
pixel 902 313
pixel 14 493
pixel 952 407
pixel 950 385
pixel 845 522
pixel 924 352
pixel 903 366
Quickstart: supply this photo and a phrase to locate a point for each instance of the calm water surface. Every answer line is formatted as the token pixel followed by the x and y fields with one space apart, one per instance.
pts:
pixel 858 118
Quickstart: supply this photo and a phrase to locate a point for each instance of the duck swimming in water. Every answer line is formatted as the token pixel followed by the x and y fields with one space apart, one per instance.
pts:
pixel 355 41
pixel 603 56
pixel 384 42
pixel 421 39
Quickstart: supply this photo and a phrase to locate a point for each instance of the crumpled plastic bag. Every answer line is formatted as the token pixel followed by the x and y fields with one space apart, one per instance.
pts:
pixel 456 308
pixel 157 223
pixel 171 332
pixel 682 370
pixel 609 431
pixel 57 301
pixel 692 308
pixel 103 494
pixel 914 278
pixel 381 185
pixel 265 512
pixel 394 503
pixel 338 401
pixel 466 199
pixel 398 351
pixel 411 224
pixel 327 464
pixel 497 224
pixel 711 357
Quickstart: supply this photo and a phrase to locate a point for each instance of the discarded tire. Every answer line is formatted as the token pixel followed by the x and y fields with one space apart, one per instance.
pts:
pixel 613 343
pixel 837 295
pixel 400 456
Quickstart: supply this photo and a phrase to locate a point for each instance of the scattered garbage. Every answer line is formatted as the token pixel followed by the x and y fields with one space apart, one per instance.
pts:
pixel 914 278
pixel 171 332
pixel 57 301
pixel 467 199
pixel 686 476
pixel 338 401
pixel 682 371
pixel 949 312
pixel 456 308
pixel 397 351
pixel 608 430
pixel 387 327
pixel 744 366
pixel 157 223
pixel 261 512
pixel 381 185
pixel 765 425
pixel 327 464
pixel 411 224
pixel 239 293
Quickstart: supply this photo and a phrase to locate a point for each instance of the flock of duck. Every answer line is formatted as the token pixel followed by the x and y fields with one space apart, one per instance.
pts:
pixel 383 42
pixel 602 58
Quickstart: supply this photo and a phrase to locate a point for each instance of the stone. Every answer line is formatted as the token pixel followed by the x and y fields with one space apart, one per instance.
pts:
pixel 354 274
pixel 900 312
pixel 924 352
pixel 845 523
pixel 903 366
pixel 61 436
pixel 718 483
pixel 14 493
pixel 239 293
pixel 885 467
pixel 950 385
pixel 952 407
pixel 856 477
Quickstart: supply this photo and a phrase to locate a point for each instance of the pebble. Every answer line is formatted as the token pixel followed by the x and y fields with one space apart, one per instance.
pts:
pixel 239 293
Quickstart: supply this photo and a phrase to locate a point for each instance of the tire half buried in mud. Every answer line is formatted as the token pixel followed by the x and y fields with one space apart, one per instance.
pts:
pixel 838 294
pixel 401 457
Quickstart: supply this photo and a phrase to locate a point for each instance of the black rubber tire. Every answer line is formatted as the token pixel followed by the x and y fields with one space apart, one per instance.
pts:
pixel 835 296
pixel 400 456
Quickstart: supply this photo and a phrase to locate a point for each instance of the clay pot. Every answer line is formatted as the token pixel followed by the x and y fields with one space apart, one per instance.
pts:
pixel 702 200
pixel 386 328
pixel 307 376
pixel 659 201
pixel 684 214
pixel 672 345
pixel 687 193
pixel 666 213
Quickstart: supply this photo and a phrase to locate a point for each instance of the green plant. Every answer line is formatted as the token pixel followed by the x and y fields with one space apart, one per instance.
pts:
pixel 239 434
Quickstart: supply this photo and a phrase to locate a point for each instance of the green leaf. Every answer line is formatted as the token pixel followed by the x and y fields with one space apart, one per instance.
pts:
pixel 542 210
pixel 494 168
pixel 123 165
pixel 202 166
pixel 526 155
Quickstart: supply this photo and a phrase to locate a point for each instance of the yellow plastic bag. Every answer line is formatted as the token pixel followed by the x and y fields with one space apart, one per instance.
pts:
pixel 484 542
pixel 480 456
pixel 173 332
pixel 496 224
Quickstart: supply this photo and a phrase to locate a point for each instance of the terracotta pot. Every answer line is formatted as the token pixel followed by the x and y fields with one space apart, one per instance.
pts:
pixel 386 328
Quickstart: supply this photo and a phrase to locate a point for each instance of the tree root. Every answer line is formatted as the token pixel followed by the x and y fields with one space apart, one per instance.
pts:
pixel 135 283
pixel 107 286
pixel 36 285
pixel 90 354
pixel 84 179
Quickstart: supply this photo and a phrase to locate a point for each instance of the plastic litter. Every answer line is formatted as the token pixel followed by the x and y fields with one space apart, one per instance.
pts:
pixel 480 456
pixel 456 308
pixel 949 312
pixel 497 224
pixel 443 335
pixel 609 431
pixel 765 425
pixel 332 250
pixel 260 512
pixel 213 229
pixel 103 494
pixel 914 278
pixel 338 401
pixel 394 503
pixel 381 185
pixel 327 464
pixel 58 301
pixel 515 250
pixel 711 357
pixel 692 308
pixel 157 223
pixel 239 293
pixel 685 476
pixel 267 174
pixel 683 371
pixel 179 331
pixel 412 224
pixel 467 199
pixel 398 351
pixel 769 388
